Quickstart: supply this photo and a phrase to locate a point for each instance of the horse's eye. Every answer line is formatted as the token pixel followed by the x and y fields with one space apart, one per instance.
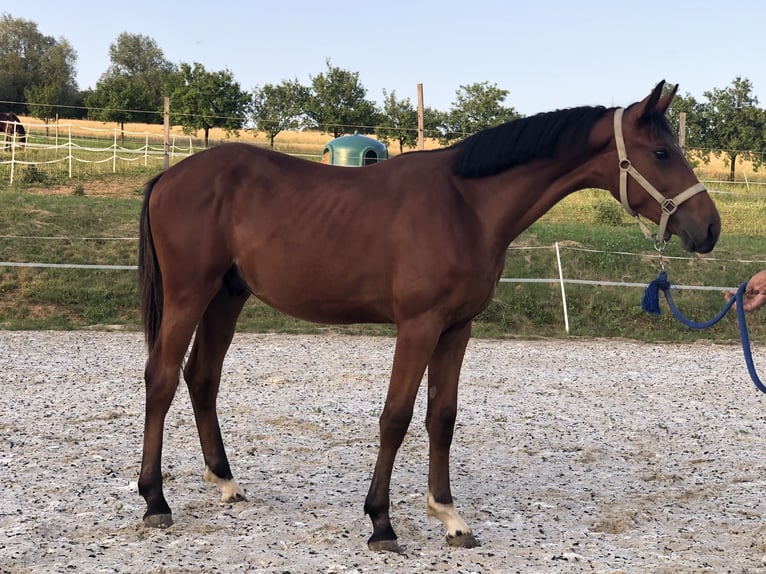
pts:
pixel 661 154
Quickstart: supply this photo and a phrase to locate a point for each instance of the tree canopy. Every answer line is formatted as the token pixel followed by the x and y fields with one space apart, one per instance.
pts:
pixel 732 125
pixel 203 100
pixel 685 104
pixel 477 106
pixel 280 107
pixel 398 121
pixel 132 88
pixel 33 64
pixel 727 124
pixel 339 103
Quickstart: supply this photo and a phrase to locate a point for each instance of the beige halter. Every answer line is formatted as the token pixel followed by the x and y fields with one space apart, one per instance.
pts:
pixel 669 206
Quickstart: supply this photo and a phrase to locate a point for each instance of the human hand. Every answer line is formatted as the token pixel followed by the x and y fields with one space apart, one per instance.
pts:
pixel 755 292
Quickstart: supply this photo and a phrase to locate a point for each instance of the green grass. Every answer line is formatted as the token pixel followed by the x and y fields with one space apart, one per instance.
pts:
pixel 74 299
pixel 532 310
pixel 57 229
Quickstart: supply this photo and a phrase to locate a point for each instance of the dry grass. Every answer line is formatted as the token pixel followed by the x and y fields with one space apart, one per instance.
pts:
pixel 313 142
pixel 307 142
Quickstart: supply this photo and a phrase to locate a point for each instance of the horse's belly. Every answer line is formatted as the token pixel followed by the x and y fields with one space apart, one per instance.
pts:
pixel 328 311
pixel 319 299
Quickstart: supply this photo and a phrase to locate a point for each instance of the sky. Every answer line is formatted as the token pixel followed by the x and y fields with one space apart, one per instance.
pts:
pixel 548 54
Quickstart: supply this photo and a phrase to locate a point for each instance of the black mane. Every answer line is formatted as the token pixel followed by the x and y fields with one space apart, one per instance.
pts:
pixel 497 149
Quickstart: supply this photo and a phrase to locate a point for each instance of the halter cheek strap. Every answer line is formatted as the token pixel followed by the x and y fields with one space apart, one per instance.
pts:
pixel 669 206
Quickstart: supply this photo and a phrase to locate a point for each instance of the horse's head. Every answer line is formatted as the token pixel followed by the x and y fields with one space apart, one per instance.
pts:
pixel 652 177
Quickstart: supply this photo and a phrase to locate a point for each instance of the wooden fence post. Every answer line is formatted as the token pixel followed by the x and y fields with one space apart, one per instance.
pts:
pixel 682 131
pixel 421 134
pixel 166 163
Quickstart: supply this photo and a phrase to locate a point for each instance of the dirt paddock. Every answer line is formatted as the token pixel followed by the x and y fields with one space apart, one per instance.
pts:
pixel 569 456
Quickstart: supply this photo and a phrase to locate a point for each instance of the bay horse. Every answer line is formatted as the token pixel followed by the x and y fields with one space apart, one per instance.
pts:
pixel 418 241
pixel 11 125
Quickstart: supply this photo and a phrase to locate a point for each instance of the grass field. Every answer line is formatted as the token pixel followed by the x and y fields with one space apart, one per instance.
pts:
pixel 595 235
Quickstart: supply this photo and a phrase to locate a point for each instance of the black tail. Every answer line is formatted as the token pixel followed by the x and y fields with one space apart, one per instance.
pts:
pixel 149 274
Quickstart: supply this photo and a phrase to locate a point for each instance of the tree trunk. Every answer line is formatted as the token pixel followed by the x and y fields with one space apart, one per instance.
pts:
pixel 733 157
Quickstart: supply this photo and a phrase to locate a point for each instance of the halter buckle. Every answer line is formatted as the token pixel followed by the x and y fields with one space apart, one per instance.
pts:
pixel 669 206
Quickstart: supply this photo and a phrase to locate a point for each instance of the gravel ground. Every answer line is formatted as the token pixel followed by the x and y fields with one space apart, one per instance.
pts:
pixel 569 456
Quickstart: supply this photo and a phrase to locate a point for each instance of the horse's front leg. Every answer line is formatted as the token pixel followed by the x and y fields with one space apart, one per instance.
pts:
pixel 415 342
pixel 443 376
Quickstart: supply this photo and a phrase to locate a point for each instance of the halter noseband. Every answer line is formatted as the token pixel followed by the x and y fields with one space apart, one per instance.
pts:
pixel 669 206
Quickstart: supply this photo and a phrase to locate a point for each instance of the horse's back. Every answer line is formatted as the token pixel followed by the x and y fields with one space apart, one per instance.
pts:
pixel 269 188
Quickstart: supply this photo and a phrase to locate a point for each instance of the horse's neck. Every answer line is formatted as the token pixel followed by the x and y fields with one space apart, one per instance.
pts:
pixel 510 202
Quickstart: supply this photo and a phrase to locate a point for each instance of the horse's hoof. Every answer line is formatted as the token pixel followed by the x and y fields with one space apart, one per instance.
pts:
pixel 385 546
pixel 158 520
pixel 231 497
pixel 463 540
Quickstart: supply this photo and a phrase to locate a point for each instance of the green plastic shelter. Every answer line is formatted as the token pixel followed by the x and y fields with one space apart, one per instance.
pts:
pixel 354 151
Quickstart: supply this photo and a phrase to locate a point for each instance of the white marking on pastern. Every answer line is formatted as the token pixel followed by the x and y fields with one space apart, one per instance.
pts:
pixel 448 516
pixel 230 490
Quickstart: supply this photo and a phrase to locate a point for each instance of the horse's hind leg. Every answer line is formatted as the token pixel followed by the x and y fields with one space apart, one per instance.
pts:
pixel 443 376
pixel 203 376
pixel 161 375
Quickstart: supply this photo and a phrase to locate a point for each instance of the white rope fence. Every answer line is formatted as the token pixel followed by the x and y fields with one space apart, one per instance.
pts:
pixel 560 279
pixel 49 144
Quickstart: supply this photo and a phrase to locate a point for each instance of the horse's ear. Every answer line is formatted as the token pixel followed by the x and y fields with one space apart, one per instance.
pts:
pixel 664 102
pixel 656 102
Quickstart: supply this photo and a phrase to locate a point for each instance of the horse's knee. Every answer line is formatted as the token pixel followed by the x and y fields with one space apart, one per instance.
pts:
pixel 440 423
pixel 203 390
pixel 442 417
pixel 394 424
pixel 161 382
pixel 159 394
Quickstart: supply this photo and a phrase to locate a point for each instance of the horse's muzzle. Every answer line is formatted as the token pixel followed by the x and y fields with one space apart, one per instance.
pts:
pixel 703 243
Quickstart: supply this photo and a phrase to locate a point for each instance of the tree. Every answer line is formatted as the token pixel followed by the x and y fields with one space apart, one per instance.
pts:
pixel 203 100
pixel 123 100
pixel 132 88
pixel 32 61
pixel 277 108
pixel 732 125
pixel 398 121
pixel 694 145
pixel 435 123
pixel 477 106
pixel 338 104
pixel 136 55
pixel 42 101
pixel 691 107
pixel 56 92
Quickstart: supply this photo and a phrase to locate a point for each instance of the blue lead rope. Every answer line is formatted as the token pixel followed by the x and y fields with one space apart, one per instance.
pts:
pixel 651 304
